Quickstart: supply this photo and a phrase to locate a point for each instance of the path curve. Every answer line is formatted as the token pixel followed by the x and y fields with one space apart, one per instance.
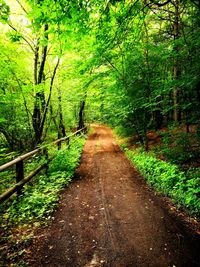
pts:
pixel 109 218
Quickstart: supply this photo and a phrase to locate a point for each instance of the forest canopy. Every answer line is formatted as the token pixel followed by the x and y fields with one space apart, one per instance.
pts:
pixel 125 63
pixel 132 65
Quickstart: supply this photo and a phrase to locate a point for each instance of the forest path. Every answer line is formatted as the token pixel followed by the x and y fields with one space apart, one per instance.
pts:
pixel 109 217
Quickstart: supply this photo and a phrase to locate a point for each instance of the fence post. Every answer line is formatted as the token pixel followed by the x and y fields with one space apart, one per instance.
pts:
pixel 67 141
pixel 19 175
pixel 59 145
pixel 46 154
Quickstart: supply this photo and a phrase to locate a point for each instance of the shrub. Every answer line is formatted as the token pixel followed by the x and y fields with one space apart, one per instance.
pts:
pixel 124 131
pixel 39 199
pixel 177 147
pixel 67 160
pixel 166 178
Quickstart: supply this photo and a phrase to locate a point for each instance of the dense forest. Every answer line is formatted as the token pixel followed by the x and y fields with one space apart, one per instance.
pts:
pixel 133 65
pixel 127 63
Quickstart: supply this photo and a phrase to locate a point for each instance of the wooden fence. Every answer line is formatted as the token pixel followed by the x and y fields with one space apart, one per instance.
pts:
pixel 19 162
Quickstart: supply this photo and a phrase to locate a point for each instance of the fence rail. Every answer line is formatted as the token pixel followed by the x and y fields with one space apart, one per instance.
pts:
pixel 19 162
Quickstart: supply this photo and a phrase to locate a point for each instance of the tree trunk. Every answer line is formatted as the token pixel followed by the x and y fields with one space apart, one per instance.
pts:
pixel 81 115
pixel 43 119
pixel 61 123
pixel 176 67
pixel 39 105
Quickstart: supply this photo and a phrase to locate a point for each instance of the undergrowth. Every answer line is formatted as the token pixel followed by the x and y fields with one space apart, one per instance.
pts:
pixel 179 147
pixel 166 178
pixel 40 197
pixel 21 215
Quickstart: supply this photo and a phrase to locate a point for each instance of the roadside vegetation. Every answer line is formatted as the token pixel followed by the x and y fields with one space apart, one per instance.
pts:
pixel 167 178
pixel 133 65
pixel 171 165
pixel 21 215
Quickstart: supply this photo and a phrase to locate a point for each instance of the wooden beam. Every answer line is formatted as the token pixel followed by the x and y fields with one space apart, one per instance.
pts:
pixel 18 159
pixel 20 168
pixel 14 189
pixel 31 153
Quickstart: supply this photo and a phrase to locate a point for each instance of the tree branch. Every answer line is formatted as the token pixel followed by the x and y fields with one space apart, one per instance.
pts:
pixel 36 56
pixel 22 7
pixel 49 97
pixel 113 66
pixel 160 4
pixel 25 39
pixel 44 55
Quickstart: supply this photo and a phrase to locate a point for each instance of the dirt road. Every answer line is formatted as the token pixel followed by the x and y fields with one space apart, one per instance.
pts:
pixel 109 217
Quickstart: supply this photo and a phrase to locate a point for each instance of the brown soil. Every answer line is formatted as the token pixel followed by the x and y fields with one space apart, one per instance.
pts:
pixel 109 217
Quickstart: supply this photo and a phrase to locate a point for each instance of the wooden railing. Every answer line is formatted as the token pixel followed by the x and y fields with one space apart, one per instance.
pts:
pixel 19 162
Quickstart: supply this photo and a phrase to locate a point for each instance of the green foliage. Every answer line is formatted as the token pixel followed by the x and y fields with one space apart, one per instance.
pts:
pixel 15 126
pixel 123 146
pixel 167 179
pixel 124 131
pixel 130 54
pixel 177 147
pixel 14 36
pixel 7 180
pixel 4 11
pixel 124 60
pixel 7 177
pixel 67 160
pixel 39 199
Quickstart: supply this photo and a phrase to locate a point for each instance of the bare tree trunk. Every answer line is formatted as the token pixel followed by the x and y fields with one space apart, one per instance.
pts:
pixel 81 116
pixel 176 68
pixel 39 105
pixel 61 131
pixel 41 126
